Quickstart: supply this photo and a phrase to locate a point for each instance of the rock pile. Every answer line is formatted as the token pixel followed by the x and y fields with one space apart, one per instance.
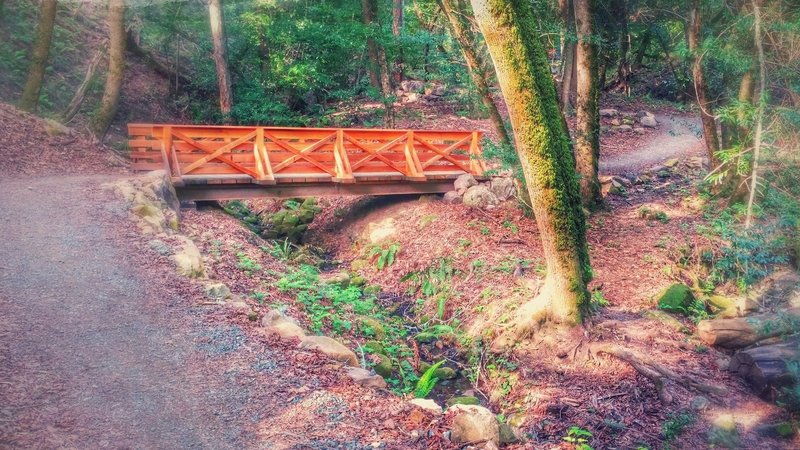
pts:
pixel 490 194
pixel 292 221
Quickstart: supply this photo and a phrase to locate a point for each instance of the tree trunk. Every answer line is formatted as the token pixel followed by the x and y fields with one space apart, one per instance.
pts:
pixel 510 30
pixel 568 55
pixel 369 16
pixel 380 75
pixel 397 32
pixel 116 68
pixel 762 94
pixel 41 49
pixel 156 62
pixel 693 37
pixel 80 93
pixel 217 20
pixel 765 368
pixel 742 332
pixel 640 52
pixel 466 40
pixel 623 69
pixel 587 130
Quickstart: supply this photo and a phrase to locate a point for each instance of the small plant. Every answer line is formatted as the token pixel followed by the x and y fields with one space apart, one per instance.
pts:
pixel 259 297
pixel 676 424
pixel 485 230
pixel 653 214
pixel 427 381
pixel 598 300
pixel 247 264
pixel 281 250
pixel 386 256
pixel 511 226
pixel 579 437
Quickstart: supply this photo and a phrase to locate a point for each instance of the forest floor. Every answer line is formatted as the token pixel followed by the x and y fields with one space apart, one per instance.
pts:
pixel 104 346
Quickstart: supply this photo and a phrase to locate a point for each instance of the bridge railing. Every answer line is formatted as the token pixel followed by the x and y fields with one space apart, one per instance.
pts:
pixel 269 155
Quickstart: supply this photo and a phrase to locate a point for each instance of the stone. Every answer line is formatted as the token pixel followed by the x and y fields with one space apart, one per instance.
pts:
pixel 55 128
pixel 723 432
pixel 677 298
pixel 160 247
pixel 451 197
pixel 502 188
pixel 275 322
pixel 188 260
pixel 341 279
pixel 480 196
pixel 700 403
pixel 413 86
pixel 384 366
pixel 616 122
pixel 648 121
pixel 724 307
pixel 217 291
pixel 363 377
pixel 463 400
pixel 696 162
pixel 644 113
pixel 427 404
pixel 411 97
pixel 378 232
pixel 464 182
pixel 371 327
pixel 608 112
pixel 330 347
pixel 508 435
pixel 445 373
pixel 374 347
pixel 670 163
pixel 639 130
pixel 473 423
pixel 624 128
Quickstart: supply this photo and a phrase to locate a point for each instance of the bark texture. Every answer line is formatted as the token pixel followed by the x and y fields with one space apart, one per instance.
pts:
pixel 509 28
pixel 742 332
pixel 398 20
pixel 116 68
pixel 369 17
pixel 217 20
pixel 765 368
pixel 41 49
pixel 480 78
pixel 380 74
pixel 80 93
pixel 587 132
pixel 693 36
pixel 567 56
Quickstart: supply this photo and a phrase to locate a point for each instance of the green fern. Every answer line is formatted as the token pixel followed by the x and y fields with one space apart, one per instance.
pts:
pixel 427 381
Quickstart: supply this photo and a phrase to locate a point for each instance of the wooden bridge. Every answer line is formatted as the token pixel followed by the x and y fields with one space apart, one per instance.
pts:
pixel 234 162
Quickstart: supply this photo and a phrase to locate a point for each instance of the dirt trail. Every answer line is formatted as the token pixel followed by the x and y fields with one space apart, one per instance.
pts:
pixel 91 353
pixel 677 137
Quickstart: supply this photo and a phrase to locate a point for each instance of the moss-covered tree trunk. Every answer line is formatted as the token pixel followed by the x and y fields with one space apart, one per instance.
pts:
pixel 693 37
pixel 509 28
pixel 587 107
pixel 116 68
pixel 217 20
pixel 41 49
pixel 567 55
pixel 466 40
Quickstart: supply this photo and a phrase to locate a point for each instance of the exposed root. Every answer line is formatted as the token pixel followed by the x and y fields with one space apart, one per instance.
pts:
pixel 656 372
pixel 527 320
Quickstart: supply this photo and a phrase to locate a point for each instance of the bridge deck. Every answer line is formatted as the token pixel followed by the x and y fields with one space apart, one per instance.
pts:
pixel 224 162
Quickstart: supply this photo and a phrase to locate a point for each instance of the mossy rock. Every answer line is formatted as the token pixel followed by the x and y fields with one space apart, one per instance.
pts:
pixel 374 347
pixel 724 307
pixel 677 298
pixel 384 366
pixel 358 264
pixel 507 435
pixel 667 320
pixel 371 327
pixel 445 373
pixel 372 289
pixel 463 400
pixel 358 281
pixel 425 337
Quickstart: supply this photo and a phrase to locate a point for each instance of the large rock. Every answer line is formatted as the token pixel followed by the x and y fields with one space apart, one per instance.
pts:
pixel 451 197
pixel 378 232
pixel 677 298
pixel 413 86
pixel 152 199
pixel 426 404
pixel 330 347
pixel 275 322
pixel 648 121
pixel 503 188
pixel 218 291
pixel 363 377
pixel 188 260
pixel 464 182
pixel 480 196
pixel 473 423
pixel 608 112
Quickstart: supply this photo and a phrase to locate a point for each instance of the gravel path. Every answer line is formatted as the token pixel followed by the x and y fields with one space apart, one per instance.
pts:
pixel 92 350
pixel 677 137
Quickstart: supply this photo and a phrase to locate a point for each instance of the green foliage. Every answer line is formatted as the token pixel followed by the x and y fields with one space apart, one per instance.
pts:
pixel 281 250
pixel 578 436
pixel 676 424
pixel 246 264
pixel 385 255
pixel 427 381
pixel 598 300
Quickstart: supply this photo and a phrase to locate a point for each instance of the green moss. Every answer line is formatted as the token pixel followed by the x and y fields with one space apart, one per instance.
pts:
pixel 464 400
pixel 371 327
pixel 374 347
pixel 384 366
pixel 678 298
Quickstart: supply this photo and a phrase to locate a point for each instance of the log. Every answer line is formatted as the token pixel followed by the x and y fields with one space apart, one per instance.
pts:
pixel 766 368
pixel 742 332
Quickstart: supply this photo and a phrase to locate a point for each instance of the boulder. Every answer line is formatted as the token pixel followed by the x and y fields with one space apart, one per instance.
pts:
pixel 378 232
pixel 341 279
pixel 451 197
pixel 503 188
pixel 413 86
pixel 371 327
pixel 508 435
pixel 330 347
pixel 464 182
pixel 616 122
pixel 648 121
pixel 188 260
pixel 426 404
pixel 670 163
pixel 608 112
pixel 677 298
pixel 363 377
pixel 217 291
pixel 275 322
pixel 644 113
pixel 383 366
pixel 411 97
pixel 480 196
pixel 624 128
pixel 473 423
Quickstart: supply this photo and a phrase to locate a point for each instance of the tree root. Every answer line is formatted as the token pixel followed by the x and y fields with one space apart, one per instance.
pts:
pixel 656 373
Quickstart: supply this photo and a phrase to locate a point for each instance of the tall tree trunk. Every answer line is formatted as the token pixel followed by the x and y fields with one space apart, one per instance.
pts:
pixel 568 55
pixel 762 92
pixel 80 93
pixel 380 66
pixel 217 20
pixel 746 92
pixel 116 68
pixel 511 33
pixel 398 19
pixel 623 69
pixel 41 49
pixel 644 43
pixel 466 40
pixel 587 132
pixel 693 37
